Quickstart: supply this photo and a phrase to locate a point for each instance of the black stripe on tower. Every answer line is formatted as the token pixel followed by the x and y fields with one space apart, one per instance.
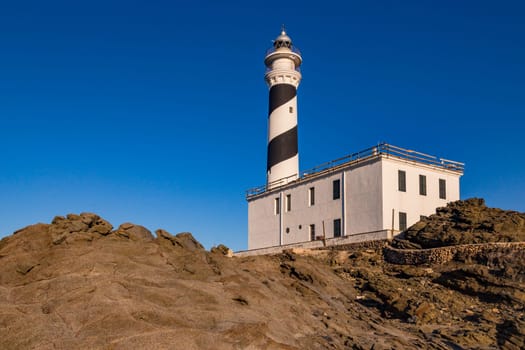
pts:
pixel 280 94
pixel 282 147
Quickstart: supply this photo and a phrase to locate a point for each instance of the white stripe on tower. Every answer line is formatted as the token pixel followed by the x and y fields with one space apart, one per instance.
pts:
pixel 283 78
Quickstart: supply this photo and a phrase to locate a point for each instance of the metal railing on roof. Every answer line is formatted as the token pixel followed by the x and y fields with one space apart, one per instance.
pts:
pixel 382 149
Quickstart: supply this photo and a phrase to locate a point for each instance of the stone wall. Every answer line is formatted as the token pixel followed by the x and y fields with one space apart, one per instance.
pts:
pixel 374 245
pixel 332 243
pixel 444 254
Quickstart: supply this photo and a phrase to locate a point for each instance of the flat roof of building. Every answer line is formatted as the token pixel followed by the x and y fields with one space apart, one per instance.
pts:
pixel 382 150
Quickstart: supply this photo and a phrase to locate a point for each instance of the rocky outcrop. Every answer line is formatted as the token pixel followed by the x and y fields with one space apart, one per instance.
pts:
pixel 183 240
pixel 222 249
pixel 465 222
pixel 74 227
pixel 77 283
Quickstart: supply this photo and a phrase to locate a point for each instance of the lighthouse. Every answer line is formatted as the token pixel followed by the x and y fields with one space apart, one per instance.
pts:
pixel 283 77
pixel 373 194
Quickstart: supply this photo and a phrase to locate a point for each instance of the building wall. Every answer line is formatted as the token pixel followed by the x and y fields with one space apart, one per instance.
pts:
pixel 411 202
pixel 263 225
pixel 363 204
pixel 266 228
pixel 369 192
pixel 296 222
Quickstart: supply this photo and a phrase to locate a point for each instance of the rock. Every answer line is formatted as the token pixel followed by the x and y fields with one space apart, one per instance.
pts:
pixel 294 272
pixel 58 219
pixel 187 240
pixel 122 233
pixel 101 229
pixel 68 289
pixel 465 222
pixel 135 232
pixel 511 335
pixel 223 250
pixel 89 218
pixel 405 244
pixel 59 238
pixel 241 300
pixel 408 271
pixel 98 225
pixel 183 240
pixel 25 267
pixel 77 226
pixel 82 224
pixel 126 226
pixel 73 217
pixel 424 313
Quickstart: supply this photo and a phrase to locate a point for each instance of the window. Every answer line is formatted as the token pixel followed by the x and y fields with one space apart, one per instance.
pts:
pixel 422 185
pixel 311 196
pixel 336 189
pixel 337 228
pixel 288 202
pixel 312 232
pixel 402 181
pixel 402 221
pixel 442 189
pixel 290 109
pixel 277 206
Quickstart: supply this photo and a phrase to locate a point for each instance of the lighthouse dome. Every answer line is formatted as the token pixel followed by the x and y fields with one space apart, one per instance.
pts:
pixel 282 40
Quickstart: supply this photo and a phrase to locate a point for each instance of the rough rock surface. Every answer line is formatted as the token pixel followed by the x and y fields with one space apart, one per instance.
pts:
pixel 78 284
pixel 465 222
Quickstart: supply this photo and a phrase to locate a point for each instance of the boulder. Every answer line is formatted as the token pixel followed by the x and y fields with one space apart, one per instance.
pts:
pixel 134 232
pixel 222 250
pixel 184 240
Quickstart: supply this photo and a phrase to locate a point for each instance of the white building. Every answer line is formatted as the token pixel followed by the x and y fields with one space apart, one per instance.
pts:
pixel 372 194
pixel 367 195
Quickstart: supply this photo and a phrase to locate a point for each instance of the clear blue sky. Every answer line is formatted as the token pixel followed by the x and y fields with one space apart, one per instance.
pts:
pixel 155 111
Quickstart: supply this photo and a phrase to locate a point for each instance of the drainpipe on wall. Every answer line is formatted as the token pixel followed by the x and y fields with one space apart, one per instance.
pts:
pixel 343 209
pixel 324 236
pixel 393 211
pixel 281 207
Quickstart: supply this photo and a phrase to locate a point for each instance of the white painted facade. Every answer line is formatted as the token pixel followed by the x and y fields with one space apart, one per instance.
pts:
pixel 370 200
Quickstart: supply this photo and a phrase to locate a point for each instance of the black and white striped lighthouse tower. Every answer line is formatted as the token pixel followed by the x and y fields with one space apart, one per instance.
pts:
pixel 283 78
